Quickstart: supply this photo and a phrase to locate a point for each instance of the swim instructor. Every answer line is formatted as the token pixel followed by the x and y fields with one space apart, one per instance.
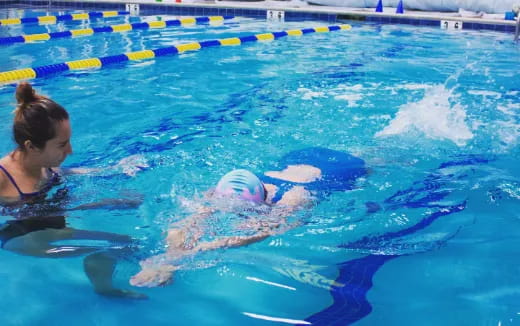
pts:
pixel 41 129
pixel 42 132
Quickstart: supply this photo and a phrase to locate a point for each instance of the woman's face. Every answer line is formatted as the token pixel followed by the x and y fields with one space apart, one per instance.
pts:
pixel 58 148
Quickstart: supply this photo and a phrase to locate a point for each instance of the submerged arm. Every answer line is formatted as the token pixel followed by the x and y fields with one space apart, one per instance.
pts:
pixel 129 165
pixel 158 270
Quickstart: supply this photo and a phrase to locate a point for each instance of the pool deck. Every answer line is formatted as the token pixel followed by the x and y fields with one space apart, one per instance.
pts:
pixel 353 13
pixel 293 9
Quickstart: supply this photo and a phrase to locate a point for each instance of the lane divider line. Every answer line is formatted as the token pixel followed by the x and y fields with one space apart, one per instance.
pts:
pixel 46 20
pixel 42 71
pixel 28 38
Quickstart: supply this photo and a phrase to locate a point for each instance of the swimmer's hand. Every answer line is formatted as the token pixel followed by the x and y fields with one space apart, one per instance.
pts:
pixel 153 276
pixel 132 164
pixel 233 241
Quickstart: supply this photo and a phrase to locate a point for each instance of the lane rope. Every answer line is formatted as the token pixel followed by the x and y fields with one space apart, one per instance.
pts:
pixel 122 28
pixel 47 20
pixel 42 71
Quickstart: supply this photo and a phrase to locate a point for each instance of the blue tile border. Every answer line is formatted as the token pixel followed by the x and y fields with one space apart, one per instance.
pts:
pixel 68 4
pixel 151 9
pixel 8 3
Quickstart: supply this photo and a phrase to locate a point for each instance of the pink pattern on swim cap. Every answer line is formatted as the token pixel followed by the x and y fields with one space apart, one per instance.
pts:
pixel 243 184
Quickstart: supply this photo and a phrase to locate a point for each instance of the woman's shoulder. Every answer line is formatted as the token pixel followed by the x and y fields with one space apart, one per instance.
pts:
pixel 6 177
pixel 3 180
pixel 3 176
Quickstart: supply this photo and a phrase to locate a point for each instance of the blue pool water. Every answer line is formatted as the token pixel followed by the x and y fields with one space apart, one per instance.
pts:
pixel 428 237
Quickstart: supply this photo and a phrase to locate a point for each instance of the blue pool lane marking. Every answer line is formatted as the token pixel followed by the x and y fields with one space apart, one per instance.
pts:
pixel 122 28
pixel 45 20
pixel 29 73
pixel 349 300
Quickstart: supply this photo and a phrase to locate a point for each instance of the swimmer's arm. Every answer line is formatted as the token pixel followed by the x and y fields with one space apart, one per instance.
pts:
pixel 158 270
pixel 193 220
pixel 68 171
pixel 296 198
pixel 177 237
pixel 240 241
pixel 129 165
pixel 234 241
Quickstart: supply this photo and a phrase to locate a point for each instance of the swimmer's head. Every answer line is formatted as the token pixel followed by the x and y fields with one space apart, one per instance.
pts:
pixel 243 184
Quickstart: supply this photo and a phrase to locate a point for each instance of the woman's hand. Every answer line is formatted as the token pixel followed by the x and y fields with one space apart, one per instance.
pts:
pixel 129 165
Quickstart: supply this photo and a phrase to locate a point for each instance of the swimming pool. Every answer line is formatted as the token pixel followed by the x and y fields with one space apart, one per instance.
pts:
pixel 434 114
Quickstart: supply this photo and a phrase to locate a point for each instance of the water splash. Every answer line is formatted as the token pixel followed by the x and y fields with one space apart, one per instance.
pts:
pixel 434 116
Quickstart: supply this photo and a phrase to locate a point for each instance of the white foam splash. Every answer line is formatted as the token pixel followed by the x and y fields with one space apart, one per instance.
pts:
pixel 309 94
pixel 509 109
pixel 349 93
pixel 508 132
pixel 355 88
pixel 409 86
pixel 350 98
pixel 485 93
pixel 434 116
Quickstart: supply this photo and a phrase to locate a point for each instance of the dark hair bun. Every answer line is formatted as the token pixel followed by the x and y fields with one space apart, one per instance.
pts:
pixel 25 94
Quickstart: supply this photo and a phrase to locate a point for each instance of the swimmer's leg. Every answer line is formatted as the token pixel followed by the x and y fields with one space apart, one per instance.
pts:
pixel 99 268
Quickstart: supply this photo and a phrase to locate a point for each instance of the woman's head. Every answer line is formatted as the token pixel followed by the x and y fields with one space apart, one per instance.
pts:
pixel 40 124
pixel 243 184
